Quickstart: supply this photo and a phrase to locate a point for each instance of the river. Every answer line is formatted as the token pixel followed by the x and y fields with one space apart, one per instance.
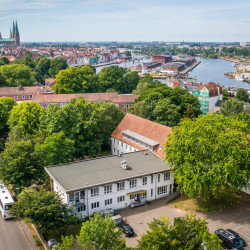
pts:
pixel 212 70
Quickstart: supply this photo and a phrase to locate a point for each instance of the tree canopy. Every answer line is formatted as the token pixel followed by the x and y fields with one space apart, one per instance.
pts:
pixel 187 232
pixel 100 233
pixel 42 207
pixel 165 105
pixel 16 74
pixel 242 95
pixel 209 155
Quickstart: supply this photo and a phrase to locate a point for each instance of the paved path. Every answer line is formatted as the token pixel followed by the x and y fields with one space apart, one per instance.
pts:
pixel 236 218
pixel 12 236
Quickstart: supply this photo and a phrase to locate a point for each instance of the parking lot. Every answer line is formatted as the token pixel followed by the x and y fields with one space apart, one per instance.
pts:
pixel 236 218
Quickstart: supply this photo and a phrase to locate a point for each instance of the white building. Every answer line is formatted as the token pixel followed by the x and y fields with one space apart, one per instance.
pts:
pixel 135 133
pixel 112 182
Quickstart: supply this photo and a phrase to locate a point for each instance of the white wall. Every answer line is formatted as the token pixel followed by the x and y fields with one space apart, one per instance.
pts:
pixel 115 194
pixel 119 147
pixel 212 102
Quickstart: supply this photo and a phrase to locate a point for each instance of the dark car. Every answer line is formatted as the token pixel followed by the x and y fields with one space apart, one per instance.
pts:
pixel 52 243
pixel 127 230
pixel 236 235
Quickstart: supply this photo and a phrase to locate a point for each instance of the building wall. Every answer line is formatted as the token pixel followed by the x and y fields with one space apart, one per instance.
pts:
pixel 212 102
pixel 21 98
pixel 119 147
pixel 151 188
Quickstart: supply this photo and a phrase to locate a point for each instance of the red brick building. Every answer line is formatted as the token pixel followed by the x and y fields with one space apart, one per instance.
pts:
pixel 164 58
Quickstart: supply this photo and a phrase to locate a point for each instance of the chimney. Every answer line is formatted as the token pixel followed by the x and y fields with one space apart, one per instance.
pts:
pixel 20 87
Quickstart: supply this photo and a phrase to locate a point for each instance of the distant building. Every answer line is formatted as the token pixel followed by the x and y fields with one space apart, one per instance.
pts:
pixel 208 94
pixel 175 66
pixel 135 134
pixel 13 40
pixel 163 58
pixel 112 182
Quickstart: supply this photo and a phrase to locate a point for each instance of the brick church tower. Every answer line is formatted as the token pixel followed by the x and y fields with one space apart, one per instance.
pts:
pixel 15 34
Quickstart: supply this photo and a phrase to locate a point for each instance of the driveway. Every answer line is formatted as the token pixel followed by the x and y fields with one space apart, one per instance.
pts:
pixel 12 236
pixel 237 218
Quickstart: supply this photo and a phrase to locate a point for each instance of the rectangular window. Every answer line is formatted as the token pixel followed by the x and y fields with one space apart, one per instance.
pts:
pixel 95 205
pixel 108 189
pixel 127 106
pixel 144 196
pixel 94 191
pixel 30 96
pixel 152 192
pixel 159 177
pixel 81 208
pixel 126 146
pixel 130 149
pixel 121 198
pixel 118 142
pixel 15 97
pixel 123 106
pixel 167 176
pixel 23 97
pixel 144 181
pixel 82 194
pixel 152 179
pixel 120 186
pixel 122 144
pixel 162 190
pixel 114 149
pixel 133 183
pixel 61 104
pixel 114 140
pixel 108 202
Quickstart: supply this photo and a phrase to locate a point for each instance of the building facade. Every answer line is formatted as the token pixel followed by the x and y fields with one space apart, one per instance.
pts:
pixel 208 94
pixel 111 183
pixel 13 40
pixel 135 134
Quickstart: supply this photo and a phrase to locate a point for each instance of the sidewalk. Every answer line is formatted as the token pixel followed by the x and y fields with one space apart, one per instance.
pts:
pixel 28 234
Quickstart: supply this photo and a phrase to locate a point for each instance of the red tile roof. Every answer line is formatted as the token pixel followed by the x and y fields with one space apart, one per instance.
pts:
pixel 125 98
pixel 147 128
pixel 6 91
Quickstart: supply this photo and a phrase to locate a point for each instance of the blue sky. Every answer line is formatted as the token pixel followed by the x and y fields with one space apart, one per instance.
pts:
pixel 127 20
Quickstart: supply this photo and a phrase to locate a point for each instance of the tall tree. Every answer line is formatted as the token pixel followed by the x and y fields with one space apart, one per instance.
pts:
pixel 129 82
pixel 42 207
pixel 27 115
pixel 187 232
pixel 232 107
pixel 4 60
pixel 209 155
pixel 17 74
pixel 56 65
pixel 100 233
pixel 80 79
pixel 42 66
pixel 6 105
pixel 242 95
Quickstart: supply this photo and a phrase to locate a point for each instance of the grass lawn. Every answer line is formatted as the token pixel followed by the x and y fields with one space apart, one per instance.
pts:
pixel 73 229
pixel 186 203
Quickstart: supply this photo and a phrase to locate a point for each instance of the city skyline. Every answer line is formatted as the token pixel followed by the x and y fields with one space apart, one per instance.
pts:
pixel 98 20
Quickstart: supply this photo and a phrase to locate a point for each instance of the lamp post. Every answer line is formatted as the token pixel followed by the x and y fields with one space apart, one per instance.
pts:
pixel 126 213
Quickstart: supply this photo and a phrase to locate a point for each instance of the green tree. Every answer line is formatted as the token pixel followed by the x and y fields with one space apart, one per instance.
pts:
pixel 4 60
pixel 17 74
pixel 110 116
pixel 209 155
pixel 18 164
pixel 141 87
pixel 225 94
pixel 111 77
pixel 67 243
pixel 27 115
pixel 56 65
pixel 232 107
pixel 82 79
pixel 242 95
pixel 55 149
pixel 129 82
pixel 6 105
pixel 100 233
pixel 139 109
pixel 79 121
pixel 189 112
pixel 187 232
pixel 42 66
pixel 42 207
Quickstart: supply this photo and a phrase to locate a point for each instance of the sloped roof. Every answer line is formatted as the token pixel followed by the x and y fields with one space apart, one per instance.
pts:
pixel 152 130
pixel 125 98
pixel 6 91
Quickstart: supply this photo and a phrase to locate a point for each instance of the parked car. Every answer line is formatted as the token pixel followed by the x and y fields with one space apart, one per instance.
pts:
pixel 127 230
pixel 228 240
pixel 52 243
pixel 236 235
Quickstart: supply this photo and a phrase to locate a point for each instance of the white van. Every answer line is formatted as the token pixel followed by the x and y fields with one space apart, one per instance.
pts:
pixel 6 202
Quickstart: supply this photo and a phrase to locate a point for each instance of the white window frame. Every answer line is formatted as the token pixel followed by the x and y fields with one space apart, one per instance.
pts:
pixel 159 177
pixel 162 190
pixel 120 199
pixel 167 176
pixel 152 179
pixel 133 183
pixel 94 191
pixel 95 205
pixel 120 185
pixel 108 189
pixel 108 202
pixel 16 97
pixel 144 181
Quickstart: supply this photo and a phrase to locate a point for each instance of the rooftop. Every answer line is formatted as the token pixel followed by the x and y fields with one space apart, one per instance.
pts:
pixel 100 171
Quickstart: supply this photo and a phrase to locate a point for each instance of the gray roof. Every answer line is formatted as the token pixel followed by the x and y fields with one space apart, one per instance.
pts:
pixel 139 137
pixel 99 171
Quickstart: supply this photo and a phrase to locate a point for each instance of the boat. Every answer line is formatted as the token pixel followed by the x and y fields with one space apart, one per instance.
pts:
pixel 233 64
pixel 238 78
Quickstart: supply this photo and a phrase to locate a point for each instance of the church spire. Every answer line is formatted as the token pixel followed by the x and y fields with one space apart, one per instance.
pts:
pixel 0 36
pixel 17 31
pixel 10 33
pixel 13 29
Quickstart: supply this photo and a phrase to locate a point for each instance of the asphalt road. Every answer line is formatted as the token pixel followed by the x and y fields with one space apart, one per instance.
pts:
pixel 12 236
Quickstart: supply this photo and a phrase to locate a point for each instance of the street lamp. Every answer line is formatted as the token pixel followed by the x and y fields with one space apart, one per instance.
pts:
pixel 126 206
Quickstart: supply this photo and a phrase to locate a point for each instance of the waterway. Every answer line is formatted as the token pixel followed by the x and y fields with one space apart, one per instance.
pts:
pixel 212 70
